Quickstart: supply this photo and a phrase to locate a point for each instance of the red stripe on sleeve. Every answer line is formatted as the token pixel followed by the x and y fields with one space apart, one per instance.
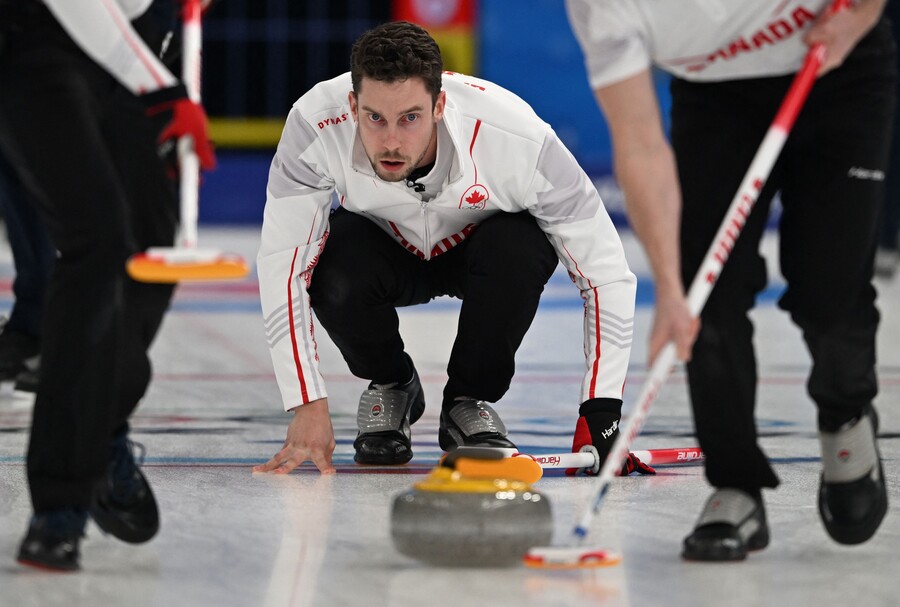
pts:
pixel 135 45
pixel 304 393
pixel 595 371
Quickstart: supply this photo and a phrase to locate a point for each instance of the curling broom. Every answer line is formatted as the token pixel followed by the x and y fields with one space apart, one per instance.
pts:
pixel 185 261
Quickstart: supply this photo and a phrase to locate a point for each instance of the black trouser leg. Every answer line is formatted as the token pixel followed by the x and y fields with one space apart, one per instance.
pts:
pixel 506 263
pixel 33 255
pixel 53 98
pixel 833 189
pixel 362 276
pixel 722 373
pixel 152 215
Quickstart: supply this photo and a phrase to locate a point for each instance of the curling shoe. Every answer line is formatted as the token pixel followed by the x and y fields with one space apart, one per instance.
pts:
pixel 732 523
pixel 852 491
pixel 27 381
pixel 385 414
pixel 123 504
pixel 52 540
pixel 17 349
pixel 472 423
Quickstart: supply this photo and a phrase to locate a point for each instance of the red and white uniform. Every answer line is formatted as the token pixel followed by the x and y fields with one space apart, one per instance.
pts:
pixel 700 40
pixel 494 155
pixel 102 29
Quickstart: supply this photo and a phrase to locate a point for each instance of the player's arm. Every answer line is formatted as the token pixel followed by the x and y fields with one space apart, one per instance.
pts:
pixel 645 169
pixel 571 213
pixel 104 33
pixel 294 232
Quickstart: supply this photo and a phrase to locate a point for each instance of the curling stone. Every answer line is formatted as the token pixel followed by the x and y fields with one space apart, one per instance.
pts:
pixel 472 510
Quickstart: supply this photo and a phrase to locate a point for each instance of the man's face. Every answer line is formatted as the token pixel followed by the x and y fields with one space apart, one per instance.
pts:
pixel 397 125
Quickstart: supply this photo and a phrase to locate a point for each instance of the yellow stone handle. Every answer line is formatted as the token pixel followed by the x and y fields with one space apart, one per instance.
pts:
pixel 521 469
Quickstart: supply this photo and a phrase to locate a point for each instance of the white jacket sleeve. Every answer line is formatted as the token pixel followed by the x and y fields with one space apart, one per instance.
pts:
pixel 569 210
pixel 103 31
pixel 295 227
pixel 614 46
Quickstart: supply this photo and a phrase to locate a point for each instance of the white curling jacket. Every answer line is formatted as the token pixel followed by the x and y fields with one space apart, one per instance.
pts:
pixel 700 40
pixel 494 156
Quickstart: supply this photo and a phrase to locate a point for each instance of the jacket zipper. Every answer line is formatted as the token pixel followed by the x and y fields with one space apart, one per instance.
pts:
pixel 426 236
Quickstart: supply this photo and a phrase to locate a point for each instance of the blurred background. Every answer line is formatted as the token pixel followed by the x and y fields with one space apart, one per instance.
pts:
pixel 262 55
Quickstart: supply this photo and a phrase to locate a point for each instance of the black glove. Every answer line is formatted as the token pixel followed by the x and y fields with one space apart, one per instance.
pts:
pixel 598 426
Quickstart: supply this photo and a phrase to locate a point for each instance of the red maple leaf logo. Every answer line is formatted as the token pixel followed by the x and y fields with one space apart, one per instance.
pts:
pixel 475 197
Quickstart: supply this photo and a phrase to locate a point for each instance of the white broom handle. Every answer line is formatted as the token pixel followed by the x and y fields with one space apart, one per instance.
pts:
pixel 711 267
pixel 188 162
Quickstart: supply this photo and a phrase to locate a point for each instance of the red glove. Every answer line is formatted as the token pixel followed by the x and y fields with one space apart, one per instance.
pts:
pixel 598 426
pixel 188 119
pixel 633 464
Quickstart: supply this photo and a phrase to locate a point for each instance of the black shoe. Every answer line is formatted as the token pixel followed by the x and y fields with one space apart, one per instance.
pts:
pixel 15 349
pixel 472 423
pixel 384 417
pixel 732 523
pixel 52 540
pixel 27 380
pixel 123 503
pixel 852 490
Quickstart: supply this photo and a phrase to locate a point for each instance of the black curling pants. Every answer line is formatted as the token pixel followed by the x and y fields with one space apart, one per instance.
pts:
pixel 33 255
pixel 499 272
pixel 83 145
pixel 831 181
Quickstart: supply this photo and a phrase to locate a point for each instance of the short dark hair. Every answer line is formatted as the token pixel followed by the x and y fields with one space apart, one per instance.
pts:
pixel 394 52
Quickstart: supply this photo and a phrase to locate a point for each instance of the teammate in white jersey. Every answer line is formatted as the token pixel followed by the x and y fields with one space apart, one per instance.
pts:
pixel 78 136
pixel 448 185
pixel 733 62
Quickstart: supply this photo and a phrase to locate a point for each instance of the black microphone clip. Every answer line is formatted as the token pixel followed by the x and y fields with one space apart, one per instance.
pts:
pixel 418 187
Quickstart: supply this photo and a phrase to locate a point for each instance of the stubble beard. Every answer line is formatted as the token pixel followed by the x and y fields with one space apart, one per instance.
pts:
pixel 394 177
